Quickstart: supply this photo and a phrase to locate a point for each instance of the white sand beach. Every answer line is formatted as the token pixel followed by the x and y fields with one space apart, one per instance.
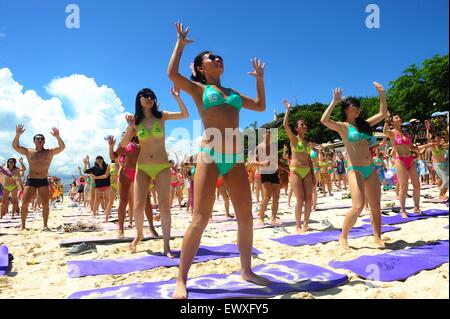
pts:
pixel 40 264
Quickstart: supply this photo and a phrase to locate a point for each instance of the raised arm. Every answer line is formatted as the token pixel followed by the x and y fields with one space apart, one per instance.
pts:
pixel 258 104
pixel 326 117
pixel 290 134
pixel 383 113
pixel 15 144
pixel 111 142
pixel 130 132
pixel 176 115
pixel 191 87
pixel 61 145
pixel 427 128
pixel 22 168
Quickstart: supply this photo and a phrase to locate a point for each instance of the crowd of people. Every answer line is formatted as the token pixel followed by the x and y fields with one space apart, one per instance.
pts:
pixel 140 176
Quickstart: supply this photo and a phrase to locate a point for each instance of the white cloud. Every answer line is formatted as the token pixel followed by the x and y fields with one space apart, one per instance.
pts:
pixel 85 114
pixel 96 111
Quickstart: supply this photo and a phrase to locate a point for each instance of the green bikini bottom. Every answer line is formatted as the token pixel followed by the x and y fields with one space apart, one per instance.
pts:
pixel 224 162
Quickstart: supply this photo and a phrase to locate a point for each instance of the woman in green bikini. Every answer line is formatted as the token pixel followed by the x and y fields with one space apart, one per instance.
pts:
pixel 356 133
pixel 148 124
pixel 302 170
pixel 11 184
pixel 219 108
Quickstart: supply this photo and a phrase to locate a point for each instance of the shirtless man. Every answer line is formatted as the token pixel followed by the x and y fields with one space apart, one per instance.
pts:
pixel 39 160
pixel 267 160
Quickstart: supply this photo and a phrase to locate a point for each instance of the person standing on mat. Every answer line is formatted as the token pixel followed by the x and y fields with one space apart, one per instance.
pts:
pixel 356 133
pixel 302 170
pixel 405 164
pixel 267 160
pixel 219 109
pixel 39 160
pixel 153 163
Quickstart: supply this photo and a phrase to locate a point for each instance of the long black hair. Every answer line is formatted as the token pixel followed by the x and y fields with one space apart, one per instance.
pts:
pixel 139 112
pixel 197 76
pixel 361 123
pixel 12 159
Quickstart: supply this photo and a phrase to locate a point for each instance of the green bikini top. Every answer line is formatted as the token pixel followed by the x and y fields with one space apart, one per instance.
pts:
pixel 354 135
pixel 300 148
pixel 112 170
pixel 323 164
pixel 439 151
pixel 155 132
pixel 377 160
pixel 212 97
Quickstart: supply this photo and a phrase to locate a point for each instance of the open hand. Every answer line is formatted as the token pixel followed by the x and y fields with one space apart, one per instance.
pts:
pixel 337 95
pixel 130 119
pixel 182 34
pixel 287 105
pixel 19 129
pixel 258 69
pixel 55 132
pixel 379 87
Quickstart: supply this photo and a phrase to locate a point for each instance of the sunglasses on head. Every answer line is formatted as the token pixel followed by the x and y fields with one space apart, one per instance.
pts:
pixel 147 95
pixel 213 57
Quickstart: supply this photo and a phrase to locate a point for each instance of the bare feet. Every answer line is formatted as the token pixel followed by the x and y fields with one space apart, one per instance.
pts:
pixel 120 234
pixel 180 291
pixel 299 230
pixel 274 222
pixel 404 214
pixel 134 243
pixel 343 243
pixel 169 254
pixel 379 243
pixel 418 211
pixel 153 232
pixel 306 228
pixel 260 222
pixel 254 278
pixel 45 228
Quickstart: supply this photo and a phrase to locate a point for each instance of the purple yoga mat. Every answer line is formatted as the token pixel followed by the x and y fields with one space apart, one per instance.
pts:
pixel 399 264
pixel 327 236
pixel 4 260
pixel 398 219
pixel 286 276
pixel 81 268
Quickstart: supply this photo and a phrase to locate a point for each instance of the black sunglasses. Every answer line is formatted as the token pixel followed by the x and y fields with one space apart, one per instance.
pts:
pixel 213 57
pixel 147 95
pixel 40 138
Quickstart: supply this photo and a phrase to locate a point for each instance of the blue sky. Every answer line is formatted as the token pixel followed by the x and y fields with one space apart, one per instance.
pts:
pixel 309 47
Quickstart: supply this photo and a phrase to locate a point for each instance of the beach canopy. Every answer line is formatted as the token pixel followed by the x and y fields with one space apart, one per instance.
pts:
pixel 436 114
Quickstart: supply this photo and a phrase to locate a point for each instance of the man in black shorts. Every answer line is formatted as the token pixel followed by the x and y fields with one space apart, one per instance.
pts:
pixel 267 160
pixel 39 160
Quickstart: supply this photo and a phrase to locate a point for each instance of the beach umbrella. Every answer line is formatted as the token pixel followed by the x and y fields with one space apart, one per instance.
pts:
pixel 414 120
pixel 436 114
